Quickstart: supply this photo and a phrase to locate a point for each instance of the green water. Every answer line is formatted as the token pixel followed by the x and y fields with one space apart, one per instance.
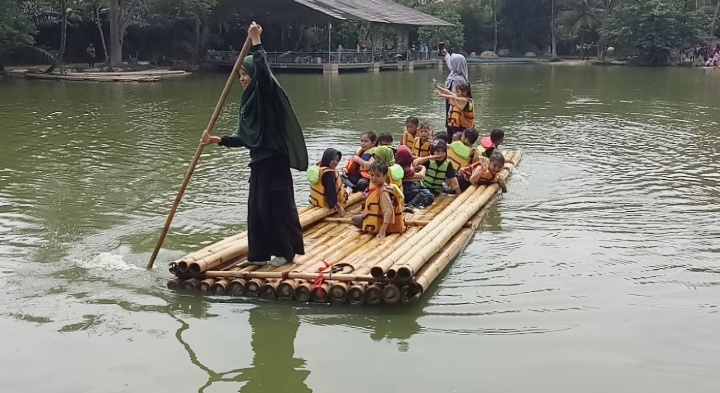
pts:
pixel 597 272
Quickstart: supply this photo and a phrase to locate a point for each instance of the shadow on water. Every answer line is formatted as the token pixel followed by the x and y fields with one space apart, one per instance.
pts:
pixel 275 366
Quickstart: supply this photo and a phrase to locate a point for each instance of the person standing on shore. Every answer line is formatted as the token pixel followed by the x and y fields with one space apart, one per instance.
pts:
pixel 268 128
pixel 90 50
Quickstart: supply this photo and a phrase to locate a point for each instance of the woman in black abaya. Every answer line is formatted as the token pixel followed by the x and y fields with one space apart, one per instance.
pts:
pixel 269 128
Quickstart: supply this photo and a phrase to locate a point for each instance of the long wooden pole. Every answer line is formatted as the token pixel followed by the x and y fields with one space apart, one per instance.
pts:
pixel 198 152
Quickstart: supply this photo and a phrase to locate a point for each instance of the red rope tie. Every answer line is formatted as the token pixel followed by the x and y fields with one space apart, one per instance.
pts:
pixel 318 282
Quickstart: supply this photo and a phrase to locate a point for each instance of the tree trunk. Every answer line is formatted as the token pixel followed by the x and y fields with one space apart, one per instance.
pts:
pixel 63 30
pixel 300 37
pixel 553 39
pixel 198 25
pixel 495 27
pixel 115 39
pixel 601 39
pixel 102 36
pixel 715 17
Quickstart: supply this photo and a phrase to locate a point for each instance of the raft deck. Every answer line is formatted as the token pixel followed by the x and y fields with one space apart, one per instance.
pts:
pixel 342 264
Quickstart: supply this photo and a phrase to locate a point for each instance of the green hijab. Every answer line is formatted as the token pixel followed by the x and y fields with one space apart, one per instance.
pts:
pixel 385 154
pixel 267 119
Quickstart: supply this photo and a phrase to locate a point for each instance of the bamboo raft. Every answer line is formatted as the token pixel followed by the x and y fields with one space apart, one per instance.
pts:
pixel 129 76
pixel 341 264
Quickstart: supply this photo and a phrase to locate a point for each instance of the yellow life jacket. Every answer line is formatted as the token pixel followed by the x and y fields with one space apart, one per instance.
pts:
pixel 462 117
pixel 373 217
pixel 317 190
pixel 409 139
pixel 395 175
pixel 460 155
pixel 421 150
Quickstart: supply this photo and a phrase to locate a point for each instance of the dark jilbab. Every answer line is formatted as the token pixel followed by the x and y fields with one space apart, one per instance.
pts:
pixel 269 128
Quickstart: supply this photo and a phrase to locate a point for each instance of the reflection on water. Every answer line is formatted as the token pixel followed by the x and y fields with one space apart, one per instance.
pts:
pixel 601 261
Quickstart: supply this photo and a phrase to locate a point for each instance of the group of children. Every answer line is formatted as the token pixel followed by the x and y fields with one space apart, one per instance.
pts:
pixel 406 177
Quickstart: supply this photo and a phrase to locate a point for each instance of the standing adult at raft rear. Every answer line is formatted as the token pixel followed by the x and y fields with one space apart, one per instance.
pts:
pixel 269 128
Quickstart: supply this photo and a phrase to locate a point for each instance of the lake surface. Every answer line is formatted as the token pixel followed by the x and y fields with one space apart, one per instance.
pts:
pixel 599 271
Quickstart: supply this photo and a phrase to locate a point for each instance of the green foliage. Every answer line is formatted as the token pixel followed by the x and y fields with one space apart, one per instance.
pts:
pixel 651 28
pixel 16 27
pixel 453 36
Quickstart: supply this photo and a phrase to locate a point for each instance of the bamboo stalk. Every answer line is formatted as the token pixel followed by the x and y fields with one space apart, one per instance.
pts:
pixel 286 289
pixel 320 294
pixel 338 292
pixel 198 152
pixel 303 292
pixel 190 284
pixel 269 290
pixel 440 234
pixel 446 219
pixel 237 250
pixel 237 287
pixel 175 283
pixel 206 284
pixel 356 294
pixel 373 294
pixel 391 294
pixel 409 223
pixel 220 286
pixel 252 288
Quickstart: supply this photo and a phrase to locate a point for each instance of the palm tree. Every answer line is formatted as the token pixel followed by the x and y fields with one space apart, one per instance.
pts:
pixel 579 17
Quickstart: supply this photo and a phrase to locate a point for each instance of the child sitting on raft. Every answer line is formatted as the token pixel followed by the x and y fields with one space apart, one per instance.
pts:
pixel 421 146
pixel 385 139
pixel 437 171
pixel 488 144
pixel 461 113
pixel 442 135
pixel 462 153
pixel 326 188
pixel 487 171
pixel 411 128
pixel 383 205
pixel 412 174
pixel 354 177
pixel 386 155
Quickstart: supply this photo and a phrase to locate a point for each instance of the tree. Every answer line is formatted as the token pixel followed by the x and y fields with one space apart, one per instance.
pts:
pixel 579 17
pixel 122 13
pixel 453 36
pixel 16 28
pixel 651 28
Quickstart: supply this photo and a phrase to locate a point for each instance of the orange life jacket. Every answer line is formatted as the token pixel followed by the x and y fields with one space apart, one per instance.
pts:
pixel 462 117
pixel 373 217
pixel 421 149
pixel 409 139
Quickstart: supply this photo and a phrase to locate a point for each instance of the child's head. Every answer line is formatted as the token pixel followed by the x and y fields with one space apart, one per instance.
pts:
pixel 462 89
pixel 385 139
pixel 424 131
pixel 331 157
pixel 497 137
pixel 443 136
pixel 368 140
pixel 411 125
pixel 378 172
pixel 497 161
pixel 469 136
pixel 439 148
pixel 456 136
pixel 404 156
pixel 384 154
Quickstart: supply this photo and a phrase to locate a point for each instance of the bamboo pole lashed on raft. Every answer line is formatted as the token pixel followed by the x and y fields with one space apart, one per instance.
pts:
pixel 198 152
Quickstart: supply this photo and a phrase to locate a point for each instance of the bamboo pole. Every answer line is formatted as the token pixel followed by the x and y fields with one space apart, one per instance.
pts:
pixel 252 288
pixel 175 283
pixel 443 219
pixel 408 223
pixel 356 294
pixel 303 292
pixel 391 294
pixel 205 285
pixel 190 284
pixel 440 234
pixel 220 286
pixel 269 290
pixel 432 269
pixel 373 294
pixel 237 287
pixel 198 152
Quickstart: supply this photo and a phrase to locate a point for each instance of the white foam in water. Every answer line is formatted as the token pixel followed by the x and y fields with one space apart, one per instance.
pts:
pixel 108 262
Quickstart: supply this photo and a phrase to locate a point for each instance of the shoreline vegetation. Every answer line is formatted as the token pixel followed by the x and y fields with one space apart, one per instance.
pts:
pixel 178 35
